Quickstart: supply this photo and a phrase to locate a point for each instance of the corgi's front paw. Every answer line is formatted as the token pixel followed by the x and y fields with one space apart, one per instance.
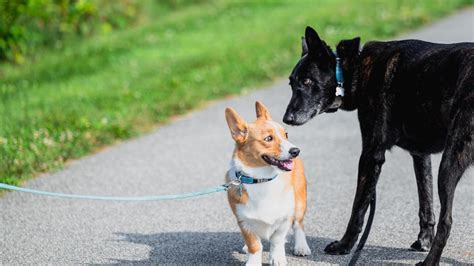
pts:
pixel 301 248
pixel 278 256
pixel 245 249
pixel 278 260
pixel 254 259
pixel 301 245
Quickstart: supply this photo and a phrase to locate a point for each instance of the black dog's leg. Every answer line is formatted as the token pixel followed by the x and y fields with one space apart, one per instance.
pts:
pixel 370 165
pixel 424 181
pixel 457 157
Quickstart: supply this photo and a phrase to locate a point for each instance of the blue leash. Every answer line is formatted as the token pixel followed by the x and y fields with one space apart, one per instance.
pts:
pixel 220 188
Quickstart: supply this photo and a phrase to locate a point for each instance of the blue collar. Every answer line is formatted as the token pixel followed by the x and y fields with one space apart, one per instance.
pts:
pixel 339 77
pixel 250 180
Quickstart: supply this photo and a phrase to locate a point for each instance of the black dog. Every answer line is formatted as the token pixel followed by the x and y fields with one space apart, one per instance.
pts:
pixel 413 94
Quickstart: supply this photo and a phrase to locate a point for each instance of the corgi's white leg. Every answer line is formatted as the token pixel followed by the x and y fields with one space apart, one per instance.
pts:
pixel 277 244
pixel 301 246
pixel 253 245
pixel 245 249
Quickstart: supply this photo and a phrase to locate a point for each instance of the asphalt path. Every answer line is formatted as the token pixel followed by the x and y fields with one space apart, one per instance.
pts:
pixel 193 153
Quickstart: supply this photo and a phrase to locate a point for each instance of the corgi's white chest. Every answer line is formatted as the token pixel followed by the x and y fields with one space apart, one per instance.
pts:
pixel 270 204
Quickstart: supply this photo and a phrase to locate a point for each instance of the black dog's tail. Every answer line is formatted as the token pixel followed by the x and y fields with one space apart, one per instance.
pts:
pixel 365 235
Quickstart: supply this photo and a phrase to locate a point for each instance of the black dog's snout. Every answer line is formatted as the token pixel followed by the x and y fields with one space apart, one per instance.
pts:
pixel 289 118
pixel 294 152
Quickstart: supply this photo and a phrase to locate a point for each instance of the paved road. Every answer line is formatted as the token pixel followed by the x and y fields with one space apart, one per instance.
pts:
pixel 192 153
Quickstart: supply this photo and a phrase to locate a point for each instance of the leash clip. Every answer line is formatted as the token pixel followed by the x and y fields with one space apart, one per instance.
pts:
pixel 233 183
pixel 236 182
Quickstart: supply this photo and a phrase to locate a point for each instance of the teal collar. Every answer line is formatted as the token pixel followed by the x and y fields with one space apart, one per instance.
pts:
pixel 250 180
pixel 339 77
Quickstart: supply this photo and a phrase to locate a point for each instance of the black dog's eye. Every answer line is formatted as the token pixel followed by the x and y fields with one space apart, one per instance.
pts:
pixel 307 81
pixel 286 134
pixel 268 139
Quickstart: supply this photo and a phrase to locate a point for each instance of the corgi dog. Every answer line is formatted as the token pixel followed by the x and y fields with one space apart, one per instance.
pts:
pixel 270 196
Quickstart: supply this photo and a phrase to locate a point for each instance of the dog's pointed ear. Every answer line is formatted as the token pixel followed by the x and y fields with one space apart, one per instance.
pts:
pixel 316 47
pixel 356 44
pixel 304 46
pixel 262 111
pixel 348 48
pixel 312 38
pixel 237 125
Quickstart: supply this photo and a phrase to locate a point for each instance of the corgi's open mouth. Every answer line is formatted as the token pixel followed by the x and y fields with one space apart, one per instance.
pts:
pixel 285 165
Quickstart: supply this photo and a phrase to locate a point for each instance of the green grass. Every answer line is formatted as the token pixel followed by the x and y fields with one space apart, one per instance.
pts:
pixel 64 104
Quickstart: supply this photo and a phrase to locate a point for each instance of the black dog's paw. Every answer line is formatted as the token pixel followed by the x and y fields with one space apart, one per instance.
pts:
pixel 337 248
pixel 422 263
pixel 427 263
pixel 419 245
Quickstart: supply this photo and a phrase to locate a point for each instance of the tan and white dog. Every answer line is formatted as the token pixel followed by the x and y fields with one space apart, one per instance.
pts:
pixel 272 196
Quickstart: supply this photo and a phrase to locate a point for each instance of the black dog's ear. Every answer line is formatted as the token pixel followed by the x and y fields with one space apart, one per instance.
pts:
pixel 316 47
pixel 312 40
pixel 348 48
pixel 304 46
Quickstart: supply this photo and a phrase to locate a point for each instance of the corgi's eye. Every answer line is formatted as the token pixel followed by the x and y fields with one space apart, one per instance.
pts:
pixel 307 81
pixel 286 135
pixel 268 139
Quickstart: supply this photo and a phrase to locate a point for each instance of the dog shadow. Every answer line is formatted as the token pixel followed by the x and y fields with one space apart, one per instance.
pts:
pixel 225 248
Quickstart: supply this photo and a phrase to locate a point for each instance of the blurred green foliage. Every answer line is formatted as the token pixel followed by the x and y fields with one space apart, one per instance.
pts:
pixel 28 24
pixel 67 101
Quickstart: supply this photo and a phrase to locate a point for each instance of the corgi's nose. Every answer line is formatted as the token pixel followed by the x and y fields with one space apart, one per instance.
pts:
pixel 294 152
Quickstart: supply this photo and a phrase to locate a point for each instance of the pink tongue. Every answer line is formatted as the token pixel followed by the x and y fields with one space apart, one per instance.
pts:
pixel 288 164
